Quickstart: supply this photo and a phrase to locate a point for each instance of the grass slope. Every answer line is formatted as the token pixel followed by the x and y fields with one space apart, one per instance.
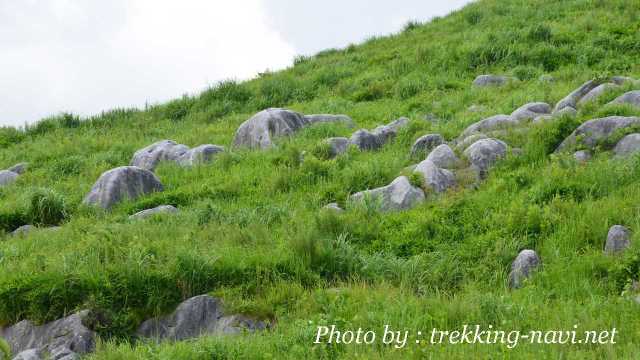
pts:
pixel 250 230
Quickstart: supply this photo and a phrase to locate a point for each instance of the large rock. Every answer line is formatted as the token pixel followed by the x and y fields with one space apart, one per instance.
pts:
pixel 167 150
pixel 574 97
pixel 595 131
pixel 631 98
pixel 618 239
pixel 23 230
pixel 259 131
pixel 399 195
pixel 200 155
pixel 627 145
pixel 444 157
pixel 490 80
pixel 530 111
pixel 425 144
pixel 19 168
pixel 596 93
pixel 439 180
pixel 337 145
pixel 522 267
pixel 65 338
pixel 7 177
pixel 125 182
pixel 162 209
pixel 484 153
pixel 373 140
pixel 194 317
pixel 489 124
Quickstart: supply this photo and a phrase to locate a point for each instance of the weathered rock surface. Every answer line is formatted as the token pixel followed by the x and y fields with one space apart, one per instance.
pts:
pixel 337 145
pixel 631 98
pixel 621 80
pixel 594 131
pixel 125 182
pixel 489 124
pixel 167 150
pixel 530 111
pixel 31 354
pixel 424 144
pixel 7 177
pixel 618 239
pixel 162 209
pixel 202 154
pixel 463 144
pixel 444 157
pixel 333 207
pixel 628 145
pixel 23 230
pixel 65 338
pixel 434 177
pixel 399 195
pixel 596 92
pixel 196 316
pixel 490 80
pixel 259 131
pixel 522 267
pixel 19 168
pixel 484 153
pixel 373 140
pixel 582 156
pixel 574 97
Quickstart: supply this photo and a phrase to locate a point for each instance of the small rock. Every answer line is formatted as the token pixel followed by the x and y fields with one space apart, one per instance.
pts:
pixel 7 177
pixel 631 98
pixel 329 118
pixel 444 157
pixel 333 207
pixel 425 144
pixel 202 154
pixel 490 80
pixel 125 182
pixel 530 111
pixel 546 78
pixel 19 168
pixel 522 267
pixel 618 239
pixel 574 97
pixel 489 124
pixel 337 145
pixel 373 140
pixel 434 177
pixel 149 157
pixel 582 156
pixel 399 195
pixel 596 93
pixel 594 131
pixel 462 145
pixel 162 209
pixel 196 316
pixel 484 153
pixel 23 230
pixel 628 145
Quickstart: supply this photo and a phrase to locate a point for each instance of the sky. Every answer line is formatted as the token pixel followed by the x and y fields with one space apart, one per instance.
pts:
pixel 86 56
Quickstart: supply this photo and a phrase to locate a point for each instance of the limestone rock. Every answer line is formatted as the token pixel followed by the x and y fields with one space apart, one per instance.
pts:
pixel 567 111
pixel 149 157
pixel 490 80
pixel 373 140
pixel 444 157
pixel 19 168
pixel 489 124
pixel 162 209
pixel 7 177
pixel 199 155
pixel 594 131
pixel 574 97
pixel 522 267
pixel 329 118
pixel 483 154
pixel 434 177
pixel 425 144
pixel 582 156
pixel 618 239
pixel 337 145
pixel 125 182
pixel 530 111
pixel 462 145
pixel 628 145
pixel 631 98
pixel 23 230
pixel 596 92
pixel 621 80
pixel 399 195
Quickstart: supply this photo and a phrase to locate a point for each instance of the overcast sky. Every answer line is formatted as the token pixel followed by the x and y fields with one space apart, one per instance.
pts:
pixel 86 56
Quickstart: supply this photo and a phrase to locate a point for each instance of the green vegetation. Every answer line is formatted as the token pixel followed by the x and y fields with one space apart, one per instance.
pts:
pixel 250 229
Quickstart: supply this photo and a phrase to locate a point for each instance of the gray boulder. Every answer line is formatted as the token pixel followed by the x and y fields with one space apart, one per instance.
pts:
pixel 31 354
pixel 149 157
pixel 337 145
pixel 23 230
pixel 425 144
pixel 19 168
pixel 618 239
pixel 399 195
pixel 582 156
pixel 621 80
pixel 483 154
pixel 543 118
pixel 202 154
pixel 631 98
pixel 7 177
pixel 462 145
pixel 439 180
pixel 594 131
pixel 194 317
pixel 389 131
pixel 125 182
pixel 490 80
pixel 444 157
pixel 162 209
pixel 596 93
pixel 61 339
pixel 567 111
pixel 489 124
pixel 627 145
pixel 522 267
pixel 574 97
pixel 373 140
pixel 530 111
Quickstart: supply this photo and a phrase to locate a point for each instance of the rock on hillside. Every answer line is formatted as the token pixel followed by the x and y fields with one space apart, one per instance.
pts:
pixel 125 182
pixel 594 131
pixel 259 131
pixel 167 150
pixel 522 267
pixel 374 140
pixel 7 177
pixel 484 153
pixel 162 209
pixel 490 80
pixel 631 98
pixel 618 239
pixel 434 177
pixel 424 144
pixel 574 97
pixel 399 195
pixel 628 145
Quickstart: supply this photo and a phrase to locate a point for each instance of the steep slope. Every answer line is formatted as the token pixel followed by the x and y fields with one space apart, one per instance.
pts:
pixel 250 229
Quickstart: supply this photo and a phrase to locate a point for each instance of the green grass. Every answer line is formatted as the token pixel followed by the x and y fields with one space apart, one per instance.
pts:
pixel 250 229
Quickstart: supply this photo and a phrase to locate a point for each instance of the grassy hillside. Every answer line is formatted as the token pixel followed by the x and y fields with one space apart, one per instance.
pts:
pixel 250 229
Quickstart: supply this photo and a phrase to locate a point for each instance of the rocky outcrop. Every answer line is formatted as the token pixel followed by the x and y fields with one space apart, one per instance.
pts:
pixel 167 150
pixel 19 168
pixel 374 140
pixel 522 268
pixel 489 124
pixel 435 178
pixel 596 93
pixel 399 195
pixel 259 131
pixel 462 145
pixel 484 153
pixel 65 338
pixel 575 96
pixel 618 239
pixel 490 80
pixel 194 317
pixel 628 145
pixel 631 98
pixel 530 111
pixel 337 146
pixel 424 144
pixel 125 182
pixel 162 209
pixel 595 131
pixel 444 157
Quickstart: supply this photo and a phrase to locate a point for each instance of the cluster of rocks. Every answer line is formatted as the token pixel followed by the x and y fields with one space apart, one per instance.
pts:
pixel 10 175
pixel 366 140
pixel 150 157
pixel 596 132
pixel 72 336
